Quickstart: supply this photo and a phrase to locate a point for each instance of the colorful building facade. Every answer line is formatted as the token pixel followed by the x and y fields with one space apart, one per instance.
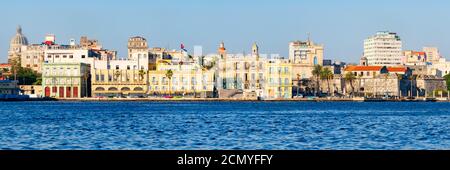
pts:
pixel 66 80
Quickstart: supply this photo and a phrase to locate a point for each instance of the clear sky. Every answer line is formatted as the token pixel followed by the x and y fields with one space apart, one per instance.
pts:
pixel 341 25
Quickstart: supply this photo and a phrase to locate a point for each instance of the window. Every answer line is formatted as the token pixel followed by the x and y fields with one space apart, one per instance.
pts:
pixel 57 56
pixel 193 81
pixel 117 67
pixel 83 56
pixel 64 56
pixel 174 81
pixel 49 56
pixel 128 67
pixel 70 56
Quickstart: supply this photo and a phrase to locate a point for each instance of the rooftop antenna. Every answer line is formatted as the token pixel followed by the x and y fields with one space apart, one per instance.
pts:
pixel 309 37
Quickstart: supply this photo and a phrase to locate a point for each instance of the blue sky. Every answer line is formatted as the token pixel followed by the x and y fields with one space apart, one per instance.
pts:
pixel 340 25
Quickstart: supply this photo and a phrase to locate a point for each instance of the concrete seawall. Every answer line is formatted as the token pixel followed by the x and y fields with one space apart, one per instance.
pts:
pixel 253 100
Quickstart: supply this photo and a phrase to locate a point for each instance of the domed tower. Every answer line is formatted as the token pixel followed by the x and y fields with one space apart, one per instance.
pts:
pixel 16 44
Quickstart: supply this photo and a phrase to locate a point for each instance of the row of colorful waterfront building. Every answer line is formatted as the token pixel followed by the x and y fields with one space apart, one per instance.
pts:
pixel 86 69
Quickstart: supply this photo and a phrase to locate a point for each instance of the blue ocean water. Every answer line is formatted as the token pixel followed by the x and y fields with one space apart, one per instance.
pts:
pixel 224 125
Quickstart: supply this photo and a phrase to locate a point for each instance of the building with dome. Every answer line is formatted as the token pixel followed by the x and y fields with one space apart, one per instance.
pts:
pixel 15 46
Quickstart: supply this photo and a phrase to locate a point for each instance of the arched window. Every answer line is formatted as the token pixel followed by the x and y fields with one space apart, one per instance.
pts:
pixel 112 89
pixel 125 89
pixel 138 89
pixel 99 89
pixel 315 60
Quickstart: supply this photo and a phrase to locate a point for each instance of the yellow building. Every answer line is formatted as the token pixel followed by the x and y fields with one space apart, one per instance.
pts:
pixel 187 79
pixel 278 83
pixel 119 83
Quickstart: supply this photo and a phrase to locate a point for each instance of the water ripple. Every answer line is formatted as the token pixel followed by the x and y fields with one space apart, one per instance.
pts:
pixel 223 125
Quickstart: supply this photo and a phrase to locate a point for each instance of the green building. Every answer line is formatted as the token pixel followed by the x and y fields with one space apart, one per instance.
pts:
pixel 66 80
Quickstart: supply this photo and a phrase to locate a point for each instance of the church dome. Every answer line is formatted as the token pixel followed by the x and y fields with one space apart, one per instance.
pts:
pixel 19 39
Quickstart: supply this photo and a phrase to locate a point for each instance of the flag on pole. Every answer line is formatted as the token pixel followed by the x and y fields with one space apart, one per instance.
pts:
pixel 182 47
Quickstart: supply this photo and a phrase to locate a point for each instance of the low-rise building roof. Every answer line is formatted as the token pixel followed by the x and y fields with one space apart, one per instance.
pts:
pixel 363 68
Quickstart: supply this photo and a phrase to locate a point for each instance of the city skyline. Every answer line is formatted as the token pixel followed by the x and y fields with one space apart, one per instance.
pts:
pixel 238 24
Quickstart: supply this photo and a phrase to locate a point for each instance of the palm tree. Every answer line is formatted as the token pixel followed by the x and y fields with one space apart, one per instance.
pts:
pixel 117 74
pixel 169 75
pixel 298 83
pixel 316 72
pixel 386 77
pixel 327 74
pixel 141 74
pixel 85 78
pixel 399 78
pixel 359 84
pixel 350 77
pixel 411 80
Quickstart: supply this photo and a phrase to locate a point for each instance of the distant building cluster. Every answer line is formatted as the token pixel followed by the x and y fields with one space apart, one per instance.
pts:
pixel 86 69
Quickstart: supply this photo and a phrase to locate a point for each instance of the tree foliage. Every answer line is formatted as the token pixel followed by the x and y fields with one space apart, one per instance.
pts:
pixel 447 80
pixel 27 76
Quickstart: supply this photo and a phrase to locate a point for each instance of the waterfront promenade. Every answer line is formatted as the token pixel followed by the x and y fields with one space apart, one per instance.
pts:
pixel 355 99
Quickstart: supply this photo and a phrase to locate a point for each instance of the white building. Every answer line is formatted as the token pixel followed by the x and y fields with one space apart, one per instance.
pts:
pixel 70 54
pixel 440 68
pixel 383 49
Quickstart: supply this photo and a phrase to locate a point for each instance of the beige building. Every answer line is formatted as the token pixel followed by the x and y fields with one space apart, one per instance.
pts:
pixel 375 80
pixel 137 48
pixel 429 84
pixel 252 76
pixel 433 54
pixel 33 56
pixel 414 58
pixel 119 83
pixel 440 68
pixel 241 74
pixel 382 85
pixel 34 91
pixel 304 56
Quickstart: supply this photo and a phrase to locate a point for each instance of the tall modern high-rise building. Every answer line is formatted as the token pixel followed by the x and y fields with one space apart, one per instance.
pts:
pixel 383 49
